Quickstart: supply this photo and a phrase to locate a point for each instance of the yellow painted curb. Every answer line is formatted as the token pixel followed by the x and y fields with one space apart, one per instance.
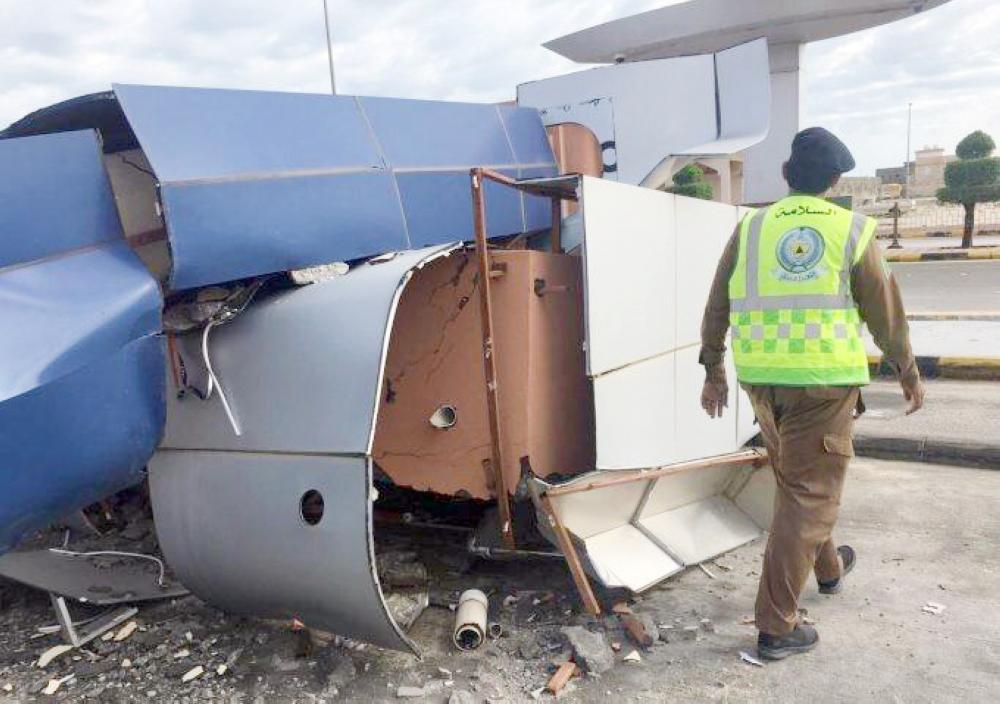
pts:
pixel 902 256
pixel 986 253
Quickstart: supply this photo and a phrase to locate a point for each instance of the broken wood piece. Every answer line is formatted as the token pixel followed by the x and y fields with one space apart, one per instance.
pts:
pixel 562 675
pixel 637 631
pixel 125 631
pixel 52 653
pixel 193 673
pixel 53 686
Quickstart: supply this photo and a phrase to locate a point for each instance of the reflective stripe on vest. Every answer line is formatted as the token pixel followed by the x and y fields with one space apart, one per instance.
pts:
pixel 793 317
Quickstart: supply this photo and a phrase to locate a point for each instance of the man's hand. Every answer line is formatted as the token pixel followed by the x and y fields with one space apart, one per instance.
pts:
pixel 715 392
pixel 914 393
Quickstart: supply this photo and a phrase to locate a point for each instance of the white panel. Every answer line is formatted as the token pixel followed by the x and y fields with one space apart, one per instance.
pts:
pixel 697 434
pixel 588 513
pixel 629 273
pixel 743 75
pixel 702 530
pixel 634 410
pixel 660 107
pixel 703 229
pixel 674 491
pixel 756 499
pixel 624 557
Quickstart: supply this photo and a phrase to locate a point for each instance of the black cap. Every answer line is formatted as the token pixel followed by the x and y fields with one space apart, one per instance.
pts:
pixel 817 148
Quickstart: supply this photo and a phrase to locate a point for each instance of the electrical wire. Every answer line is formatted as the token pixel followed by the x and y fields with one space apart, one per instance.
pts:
pixel 160 582
pixel 213 380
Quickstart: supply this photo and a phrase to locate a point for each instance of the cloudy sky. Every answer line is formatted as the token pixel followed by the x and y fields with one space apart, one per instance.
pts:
pixel 946 62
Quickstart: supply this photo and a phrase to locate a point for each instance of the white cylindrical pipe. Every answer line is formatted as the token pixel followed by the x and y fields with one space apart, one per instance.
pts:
pixel 470 619
pixel 444 417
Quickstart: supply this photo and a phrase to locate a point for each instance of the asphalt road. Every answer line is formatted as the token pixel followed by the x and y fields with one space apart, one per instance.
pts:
pixel 966 286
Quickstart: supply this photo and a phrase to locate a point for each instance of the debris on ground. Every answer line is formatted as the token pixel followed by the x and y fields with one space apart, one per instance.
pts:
pixel 192 674
pixel 633 656
pixel 590 650
pixel 637 631
pixel 932 607
pixel 748 658
pixel 561 677
pixel 53 686
pixel 125 631
pixel 52 653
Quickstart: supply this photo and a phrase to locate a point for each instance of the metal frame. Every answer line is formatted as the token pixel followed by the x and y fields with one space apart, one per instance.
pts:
pixel 538 187
pixel 754 457
pixel 77 634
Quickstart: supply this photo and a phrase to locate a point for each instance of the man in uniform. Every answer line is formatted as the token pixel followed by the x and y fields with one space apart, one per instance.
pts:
pixel 795 283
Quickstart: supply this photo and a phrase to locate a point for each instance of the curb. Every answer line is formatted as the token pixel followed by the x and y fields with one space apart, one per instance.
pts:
pixel 964 454
pixel 968 368
pixel 940 255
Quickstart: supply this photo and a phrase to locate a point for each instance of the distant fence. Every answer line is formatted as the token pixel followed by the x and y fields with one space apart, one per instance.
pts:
pixel 930 217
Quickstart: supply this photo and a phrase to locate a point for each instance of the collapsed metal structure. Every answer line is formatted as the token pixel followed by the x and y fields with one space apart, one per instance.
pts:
pixel 296 299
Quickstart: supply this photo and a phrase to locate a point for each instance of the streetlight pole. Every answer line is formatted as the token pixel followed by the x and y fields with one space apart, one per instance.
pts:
pixel 329 46
pixel 909 130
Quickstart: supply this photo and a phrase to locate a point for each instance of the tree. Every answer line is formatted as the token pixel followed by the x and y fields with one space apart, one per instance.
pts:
pixel 974 178
pixel 690 181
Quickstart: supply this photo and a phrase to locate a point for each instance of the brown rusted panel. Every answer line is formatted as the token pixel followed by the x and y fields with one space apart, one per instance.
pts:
pixel 435 360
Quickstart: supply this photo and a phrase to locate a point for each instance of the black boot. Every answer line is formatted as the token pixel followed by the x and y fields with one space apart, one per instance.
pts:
pixel 847 559
pixel 802 639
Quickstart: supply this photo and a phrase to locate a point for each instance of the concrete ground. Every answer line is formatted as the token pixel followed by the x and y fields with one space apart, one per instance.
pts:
pixel 949 286
pixel 956 423
pixel 925 534
pixel 950 338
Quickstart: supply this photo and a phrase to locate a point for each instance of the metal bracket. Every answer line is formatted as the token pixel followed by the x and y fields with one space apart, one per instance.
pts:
pixel 78 635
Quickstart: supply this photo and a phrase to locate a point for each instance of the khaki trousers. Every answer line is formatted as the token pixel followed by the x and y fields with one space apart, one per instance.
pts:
pixel 807 431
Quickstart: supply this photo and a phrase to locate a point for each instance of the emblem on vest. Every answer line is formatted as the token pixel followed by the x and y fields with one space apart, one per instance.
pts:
pixel 799 252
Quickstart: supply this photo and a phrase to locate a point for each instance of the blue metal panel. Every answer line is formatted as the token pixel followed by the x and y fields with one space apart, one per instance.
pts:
pixel 81 360
pixel 82 437
pixel 235 229
pixel 425 196
pixel 210 134
pixel 54 195
pixel 527 135
pixel 68 312
pixel 423 134
pixel 254 182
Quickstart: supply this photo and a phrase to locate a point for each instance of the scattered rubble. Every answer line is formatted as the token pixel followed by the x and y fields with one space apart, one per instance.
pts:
pixel 192 674
pixel 53 686
pixel 591 650
pixel 184 650
pixel 52 653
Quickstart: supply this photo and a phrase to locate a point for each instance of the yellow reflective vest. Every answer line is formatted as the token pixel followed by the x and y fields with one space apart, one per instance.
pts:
pixel 793 318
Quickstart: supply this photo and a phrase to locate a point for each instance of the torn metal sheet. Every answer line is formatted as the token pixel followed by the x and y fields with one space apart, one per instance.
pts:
pixel 100 580
pixel 81 384
pixel 278 520
pixel 232 527
pixel 636 529
pixel 302 368
pixel 255 182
